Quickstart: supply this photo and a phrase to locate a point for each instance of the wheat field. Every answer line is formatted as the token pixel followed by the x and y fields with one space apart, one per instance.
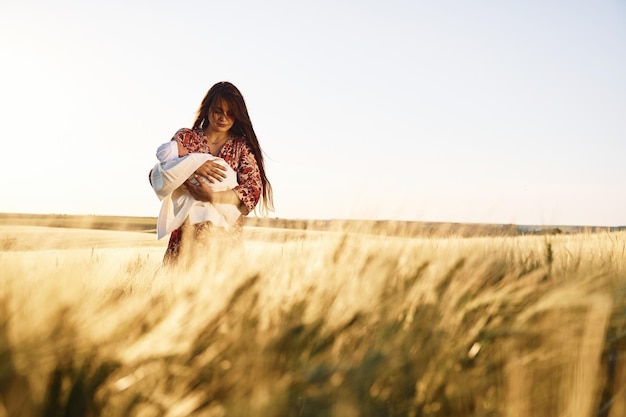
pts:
pixel 312 324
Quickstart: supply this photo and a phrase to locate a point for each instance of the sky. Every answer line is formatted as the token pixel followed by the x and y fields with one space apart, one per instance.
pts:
pixel 453 111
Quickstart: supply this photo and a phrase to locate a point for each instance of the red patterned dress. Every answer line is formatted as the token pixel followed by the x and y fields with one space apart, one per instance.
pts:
pixel 239 156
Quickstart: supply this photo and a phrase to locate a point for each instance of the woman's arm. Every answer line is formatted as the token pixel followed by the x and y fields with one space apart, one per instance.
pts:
pixel 203 192
pixel 249 177
pixel 245 196
pixel 212 171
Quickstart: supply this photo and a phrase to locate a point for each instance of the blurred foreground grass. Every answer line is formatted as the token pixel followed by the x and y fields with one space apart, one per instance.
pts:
pixel 313 324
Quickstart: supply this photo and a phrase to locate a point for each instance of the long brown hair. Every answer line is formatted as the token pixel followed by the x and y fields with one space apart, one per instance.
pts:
pixel 242 127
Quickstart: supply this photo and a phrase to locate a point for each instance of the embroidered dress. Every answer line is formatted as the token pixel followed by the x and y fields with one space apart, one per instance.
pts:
pixel 239 156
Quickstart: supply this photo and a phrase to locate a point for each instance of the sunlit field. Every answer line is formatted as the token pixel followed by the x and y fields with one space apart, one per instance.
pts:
pixel 306 323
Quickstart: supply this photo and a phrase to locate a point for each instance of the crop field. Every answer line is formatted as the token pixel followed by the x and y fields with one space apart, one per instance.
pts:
pixel 310 323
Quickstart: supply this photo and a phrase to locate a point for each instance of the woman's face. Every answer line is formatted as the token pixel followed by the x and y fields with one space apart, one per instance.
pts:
pixel 221 117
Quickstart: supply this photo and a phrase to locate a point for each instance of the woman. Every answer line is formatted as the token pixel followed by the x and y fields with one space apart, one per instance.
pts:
pixel 222 128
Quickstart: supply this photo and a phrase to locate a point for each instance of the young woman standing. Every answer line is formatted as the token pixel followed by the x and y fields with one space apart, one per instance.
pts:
pixel 222 128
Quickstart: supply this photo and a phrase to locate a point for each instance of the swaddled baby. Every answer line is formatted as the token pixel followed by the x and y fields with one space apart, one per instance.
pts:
pixel 176 165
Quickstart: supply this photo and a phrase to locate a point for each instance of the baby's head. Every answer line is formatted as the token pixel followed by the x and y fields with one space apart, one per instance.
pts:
pixel 182 151
pixel 170 150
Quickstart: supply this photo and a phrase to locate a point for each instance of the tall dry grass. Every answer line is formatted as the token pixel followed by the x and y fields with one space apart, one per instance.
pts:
pixel 315 325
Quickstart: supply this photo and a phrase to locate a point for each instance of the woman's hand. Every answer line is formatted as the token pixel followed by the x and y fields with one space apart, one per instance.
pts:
pixel 199 189
pixel 212 171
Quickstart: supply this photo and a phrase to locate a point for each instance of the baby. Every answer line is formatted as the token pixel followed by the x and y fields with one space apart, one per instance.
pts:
pixel 172 150
pixel 175 166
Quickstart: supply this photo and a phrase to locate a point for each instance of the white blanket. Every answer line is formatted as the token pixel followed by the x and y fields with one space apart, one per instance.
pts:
pixel 177 204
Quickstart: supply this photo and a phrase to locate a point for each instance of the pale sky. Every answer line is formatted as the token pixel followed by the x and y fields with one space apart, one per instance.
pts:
pixel 486 111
